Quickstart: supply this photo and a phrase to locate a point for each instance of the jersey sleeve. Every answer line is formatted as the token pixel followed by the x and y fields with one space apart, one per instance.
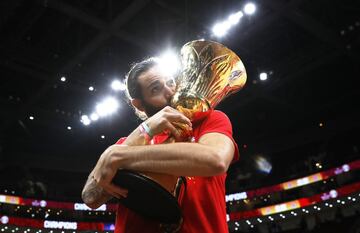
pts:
pixel 218 122
pixel 120 141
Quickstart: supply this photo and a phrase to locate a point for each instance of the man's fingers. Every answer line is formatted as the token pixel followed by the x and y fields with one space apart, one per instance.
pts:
pixel 173 131
pixel 171 128
pixel 169 109
pixel 112 189
pixel 116 191
pixel 113 194
pixel 178 117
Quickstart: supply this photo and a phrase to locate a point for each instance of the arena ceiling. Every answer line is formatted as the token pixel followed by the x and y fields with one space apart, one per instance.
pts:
pixel 310 49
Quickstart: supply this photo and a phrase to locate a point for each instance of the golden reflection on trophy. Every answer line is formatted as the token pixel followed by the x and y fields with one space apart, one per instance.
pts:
pixel 210 72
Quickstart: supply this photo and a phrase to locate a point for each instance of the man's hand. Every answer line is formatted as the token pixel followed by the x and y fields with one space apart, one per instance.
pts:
pixel 167 119
pixel 105 171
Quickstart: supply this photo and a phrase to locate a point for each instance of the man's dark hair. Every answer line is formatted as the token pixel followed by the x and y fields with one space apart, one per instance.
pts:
pixel 132 84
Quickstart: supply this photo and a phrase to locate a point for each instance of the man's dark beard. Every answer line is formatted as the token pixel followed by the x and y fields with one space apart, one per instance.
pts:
pixel 150 110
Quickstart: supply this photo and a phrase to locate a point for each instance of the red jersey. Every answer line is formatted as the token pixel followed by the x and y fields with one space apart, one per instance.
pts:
pixel 202 200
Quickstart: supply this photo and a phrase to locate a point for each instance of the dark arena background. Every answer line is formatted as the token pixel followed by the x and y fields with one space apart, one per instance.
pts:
pixel 296 121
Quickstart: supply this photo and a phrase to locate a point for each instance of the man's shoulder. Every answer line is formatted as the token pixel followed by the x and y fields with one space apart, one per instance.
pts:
pixel 216 121
pixel 217 114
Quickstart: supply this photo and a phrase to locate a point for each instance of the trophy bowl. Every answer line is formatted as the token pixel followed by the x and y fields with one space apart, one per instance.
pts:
pixel 210 72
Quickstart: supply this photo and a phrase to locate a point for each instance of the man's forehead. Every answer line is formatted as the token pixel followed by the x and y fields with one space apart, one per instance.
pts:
pixel 154 74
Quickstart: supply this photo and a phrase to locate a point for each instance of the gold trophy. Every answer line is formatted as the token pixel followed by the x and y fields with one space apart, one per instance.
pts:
pixel 209 73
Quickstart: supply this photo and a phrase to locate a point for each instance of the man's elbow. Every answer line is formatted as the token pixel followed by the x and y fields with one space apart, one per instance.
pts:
pixel 89 201
pixel 219 164
pixel 92 205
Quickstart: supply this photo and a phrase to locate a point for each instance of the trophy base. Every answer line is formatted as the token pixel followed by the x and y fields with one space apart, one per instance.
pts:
pixel 148 198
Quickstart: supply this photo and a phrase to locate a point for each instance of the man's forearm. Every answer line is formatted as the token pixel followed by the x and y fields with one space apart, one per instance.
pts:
pixel 94 195
pixel 185 159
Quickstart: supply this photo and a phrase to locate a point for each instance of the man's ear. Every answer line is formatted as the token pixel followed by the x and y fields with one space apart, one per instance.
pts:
pixel 137 103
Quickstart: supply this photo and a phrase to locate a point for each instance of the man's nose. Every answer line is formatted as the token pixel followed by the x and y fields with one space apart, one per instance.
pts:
pixel 169 91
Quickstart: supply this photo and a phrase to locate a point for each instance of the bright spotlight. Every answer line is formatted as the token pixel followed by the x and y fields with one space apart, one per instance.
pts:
pixel 169 63
pixel 250 8
pixel 91 88
pixel 94 117
pixel 85 120
pixel 63 79
pixel 220 29
pixel 263 76
pixel 107 107
pixel 4 219
pixel 31 117
pixel 116 85
pixel 235 18
pixel 69 127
